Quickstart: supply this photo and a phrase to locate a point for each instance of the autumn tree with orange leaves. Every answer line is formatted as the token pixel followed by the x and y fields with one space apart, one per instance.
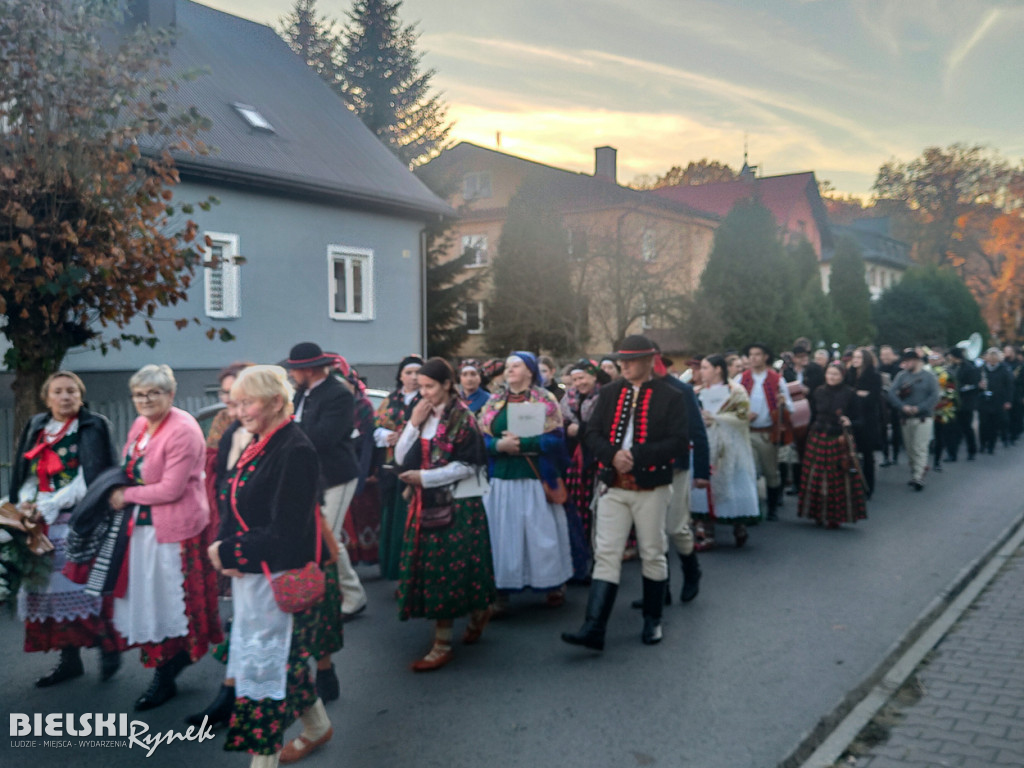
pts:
pixel 89 237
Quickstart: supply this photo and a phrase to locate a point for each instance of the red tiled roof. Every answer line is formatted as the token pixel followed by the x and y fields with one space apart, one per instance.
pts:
pixel 777 193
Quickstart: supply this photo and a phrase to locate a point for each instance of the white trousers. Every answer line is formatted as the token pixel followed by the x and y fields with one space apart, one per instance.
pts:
pixel 336 503
pixel 677 521
pixel 617 511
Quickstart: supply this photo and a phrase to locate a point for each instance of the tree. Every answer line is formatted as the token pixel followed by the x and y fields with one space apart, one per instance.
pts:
pixel 816 317
pixel 381 80
pixel 88 236
pixel 747 291
pixel 1004 308
pixel 704 171
pixel 314 37
pixel 930 305
pixel 532 305
pixel 449 286
pixel 851 299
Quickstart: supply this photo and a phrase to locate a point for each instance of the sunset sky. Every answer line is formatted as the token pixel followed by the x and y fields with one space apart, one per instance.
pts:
pixel 833 86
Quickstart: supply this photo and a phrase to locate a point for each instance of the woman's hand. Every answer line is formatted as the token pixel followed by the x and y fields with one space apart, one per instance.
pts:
pixel 391 439
pixel 573 429
pixel 117 499
pixel 708 417
pixel 863 392
pixel 411 476
pixel 845 421
pixel 420 413
pixel 213 552
pixel 508 443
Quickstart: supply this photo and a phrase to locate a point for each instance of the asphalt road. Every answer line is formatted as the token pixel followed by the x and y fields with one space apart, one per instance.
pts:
pixel 781 631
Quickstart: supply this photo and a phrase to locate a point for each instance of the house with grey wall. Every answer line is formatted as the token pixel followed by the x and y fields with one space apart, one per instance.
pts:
pixel 319 228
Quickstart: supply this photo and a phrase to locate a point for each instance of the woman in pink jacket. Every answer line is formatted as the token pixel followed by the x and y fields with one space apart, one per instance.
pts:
pixel 166 596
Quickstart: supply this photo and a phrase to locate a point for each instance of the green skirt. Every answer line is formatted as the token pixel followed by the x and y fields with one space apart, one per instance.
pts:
pixel 448 572
pixel 393 511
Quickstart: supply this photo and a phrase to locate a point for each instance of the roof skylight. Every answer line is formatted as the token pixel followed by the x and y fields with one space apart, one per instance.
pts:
pixel 252 116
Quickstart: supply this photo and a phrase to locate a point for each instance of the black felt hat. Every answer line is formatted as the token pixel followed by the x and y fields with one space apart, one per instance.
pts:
pixel 306 355
pixel 635 347
pixel 762 346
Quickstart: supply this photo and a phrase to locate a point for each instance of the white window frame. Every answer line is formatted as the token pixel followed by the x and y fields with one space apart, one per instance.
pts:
pixel 350 255
pixel 231 276
pixel 649 245
pixel 480 314
pixel 479 245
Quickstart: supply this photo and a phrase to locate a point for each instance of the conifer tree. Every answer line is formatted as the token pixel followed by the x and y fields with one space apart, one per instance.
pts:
pixel 380 78
pixel 817 319
pixel 747 291
pixel 531 305
pixel 314 37
pixel 849 293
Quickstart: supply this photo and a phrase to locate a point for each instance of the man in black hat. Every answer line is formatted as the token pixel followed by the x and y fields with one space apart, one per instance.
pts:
pixel 769 395
pixel 639 426
pixel 325 410
pixel 915 392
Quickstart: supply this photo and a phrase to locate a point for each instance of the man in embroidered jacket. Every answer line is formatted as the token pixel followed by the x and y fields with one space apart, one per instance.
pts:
pixel 639 426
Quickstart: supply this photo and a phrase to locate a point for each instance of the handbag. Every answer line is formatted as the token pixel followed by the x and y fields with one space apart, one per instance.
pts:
pixel 440 515
pixel 557 495
pixel 297 589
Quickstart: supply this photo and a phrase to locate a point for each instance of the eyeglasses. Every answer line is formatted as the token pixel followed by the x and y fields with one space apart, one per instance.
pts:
pixel 147 397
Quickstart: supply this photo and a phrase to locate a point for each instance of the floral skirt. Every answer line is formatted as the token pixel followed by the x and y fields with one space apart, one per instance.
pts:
pixel 447 572
pixel 361 532
pixel 204 628
pixel 81 632
pixel 829 492
pixel 257 726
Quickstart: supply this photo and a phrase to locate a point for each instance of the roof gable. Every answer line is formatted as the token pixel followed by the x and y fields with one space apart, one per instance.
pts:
pixel 317 145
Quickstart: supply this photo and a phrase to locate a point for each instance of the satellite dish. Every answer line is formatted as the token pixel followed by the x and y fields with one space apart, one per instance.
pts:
pixel 972 346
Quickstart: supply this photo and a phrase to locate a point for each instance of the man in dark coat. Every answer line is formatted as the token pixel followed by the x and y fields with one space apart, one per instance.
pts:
pixel 967 377
pixel 995 402
pixel 637 430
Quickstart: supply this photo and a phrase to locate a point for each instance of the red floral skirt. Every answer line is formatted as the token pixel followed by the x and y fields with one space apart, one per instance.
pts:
pixel 83 632
pixel 204 628
pixel 361 532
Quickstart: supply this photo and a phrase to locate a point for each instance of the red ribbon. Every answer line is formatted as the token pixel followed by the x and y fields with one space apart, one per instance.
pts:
pixel 50 463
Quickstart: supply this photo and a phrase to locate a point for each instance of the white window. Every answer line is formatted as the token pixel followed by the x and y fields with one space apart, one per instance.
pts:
pixel 477 245
pixel 476 185
pixel 649 246
pixel 222 276
pixel 473 315
pixel 350 278
pixel 252 116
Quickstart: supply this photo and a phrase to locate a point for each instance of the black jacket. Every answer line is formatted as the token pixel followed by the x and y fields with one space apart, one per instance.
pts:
pixel 698 434
pixel 869 433
pixel 328 417
pixel 999 391
pixel 968 376
pixel 667 431
pixel 278 504
pixel 96 449
pixel 831 403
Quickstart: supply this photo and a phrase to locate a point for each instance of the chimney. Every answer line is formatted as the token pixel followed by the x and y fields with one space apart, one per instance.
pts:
pixel 604 164
pixel 155 14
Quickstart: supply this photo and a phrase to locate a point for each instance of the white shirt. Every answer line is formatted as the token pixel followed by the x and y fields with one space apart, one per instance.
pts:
pixel 759 403
pixel 438 476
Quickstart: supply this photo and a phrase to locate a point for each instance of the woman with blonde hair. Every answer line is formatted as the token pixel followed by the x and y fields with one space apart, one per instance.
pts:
pixel 271 526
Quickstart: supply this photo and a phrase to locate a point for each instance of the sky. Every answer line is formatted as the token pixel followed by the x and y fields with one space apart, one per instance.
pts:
pixel 833 86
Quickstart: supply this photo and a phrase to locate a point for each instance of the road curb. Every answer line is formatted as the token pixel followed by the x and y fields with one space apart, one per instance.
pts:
pixel 823 745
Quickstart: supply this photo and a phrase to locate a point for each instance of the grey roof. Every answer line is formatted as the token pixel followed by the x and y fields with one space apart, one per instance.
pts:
pixel 876 245
pixel 318 147
pixel 574 191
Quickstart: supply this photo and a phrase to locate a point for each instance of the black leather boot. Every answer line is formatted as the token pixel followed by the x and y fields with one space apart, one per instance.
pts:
pixel 654 599
pixel 774 495
pixel 638 605
pixel 162 687
pixel 219 711
pixel 691 577
pixel 110 662
pixel 68 668
pixel 599 608
pixel 327 686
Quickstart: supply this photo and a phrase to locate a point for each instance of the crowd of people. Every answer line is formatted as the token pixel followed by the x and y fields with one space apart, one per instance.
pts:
pixel 468 485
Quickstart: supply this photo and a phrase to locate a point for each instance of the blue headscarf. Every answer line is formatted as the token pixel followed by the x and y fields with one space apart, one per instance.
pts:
pixel 530 361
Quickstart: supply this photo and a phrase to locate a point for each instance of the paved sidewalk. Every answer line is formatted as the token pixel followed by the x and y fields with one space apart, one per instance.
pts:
pixel 969 692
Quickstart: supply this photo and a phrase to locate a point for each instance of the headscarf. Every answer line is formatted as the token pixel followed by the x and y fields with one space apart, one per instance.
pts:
pixel 406 362
pixel 530 361
pixel 585 365
pixel 477 366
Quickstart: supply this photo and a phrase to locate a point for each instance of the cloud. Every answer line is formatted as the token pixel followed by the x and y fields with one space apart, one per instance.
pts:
pixel 963 50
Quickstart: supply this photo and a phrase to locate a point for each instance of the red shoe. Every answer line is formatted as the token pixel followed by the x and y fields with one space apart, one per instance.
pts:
pixel 292 753
pixel 476 626
pixel 438 656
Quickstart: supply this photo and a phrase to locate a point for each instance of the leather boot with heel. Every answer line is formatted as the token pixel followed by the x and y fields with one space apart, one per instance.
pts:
pixel 691 577
pixel 219 710
pixel 654 599
pixel 599 609
pixel 68 668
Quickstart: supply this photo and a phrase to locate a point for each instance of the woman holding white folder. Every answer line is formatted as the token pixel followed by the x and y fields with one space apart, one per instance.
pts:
pixel 529 534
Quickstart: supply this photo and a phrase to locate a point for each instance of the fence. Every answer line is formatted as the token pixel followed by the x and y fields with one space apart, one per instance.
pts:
pixel 120 412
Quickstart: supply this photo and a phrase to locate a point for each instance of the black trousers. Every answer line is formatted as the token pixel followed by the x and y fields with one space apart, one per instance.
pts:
pixel 991 427
pixel 895 439
pixel 965 422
